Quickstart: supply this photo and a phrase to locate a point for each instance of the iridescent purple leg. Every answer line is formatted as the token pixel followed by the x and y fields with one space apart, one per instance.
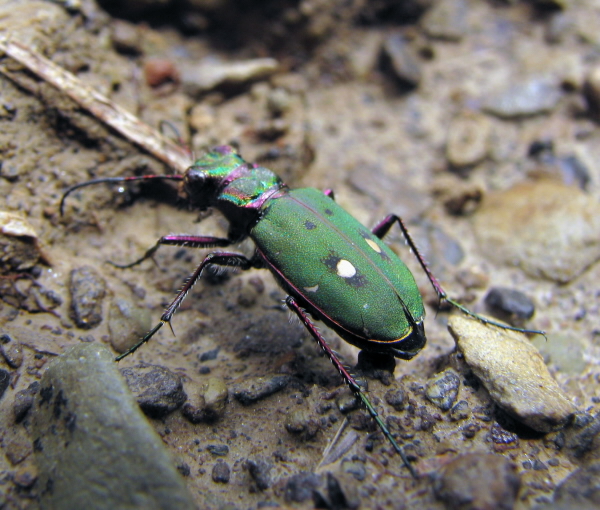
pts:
pixel 383 227
pixel 179 240
pixel 354 386
pixel 220 259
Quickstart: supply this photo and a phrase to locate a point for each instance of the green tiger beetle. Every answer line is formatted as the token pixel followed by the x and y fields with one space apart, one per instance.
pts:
pixel 332 268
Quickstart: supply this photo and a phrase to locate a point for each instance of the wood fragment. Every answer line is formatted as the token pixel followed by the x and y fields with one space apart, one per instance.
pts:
pixel 132 128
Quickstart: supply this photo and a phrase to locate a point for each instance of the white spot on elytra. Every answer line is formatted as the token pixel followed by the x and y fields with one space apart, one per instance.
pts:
pixel 345 269
pixel 373 245
pixel 314 288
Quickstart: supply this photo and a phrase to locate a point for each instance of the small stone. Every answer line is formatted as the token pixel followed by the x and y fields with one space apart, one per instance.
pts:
pixel 300 422
pixel 468 139
pixel 509 305
pixel 478 481
pixel 13 354
pixel 257 388
pixel 127 324
pixel 442 389
pixel 25 476
pixel 4 381
pixel 579 490
pixel 460 411
pixel 397 398
pixel 548 229
pixel 502 439
pixel 19 250
pixel 218 450
pixel 206 403
pixel 300 487
pixel 207 76
pixel 529 97
pixel 87 290
pixel 159 71
pixel 221 472
pixel 126 37
pixel 157 390
pixel 582 440
pixel 446 20
pixel 402 60
pixel 24 400
pixel 514 374
pixel 564 351
pixel 259 470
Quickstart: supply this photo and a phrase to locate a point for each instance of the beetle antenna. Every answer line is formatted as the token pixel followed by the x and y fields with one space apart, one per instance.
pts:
pixel 113 180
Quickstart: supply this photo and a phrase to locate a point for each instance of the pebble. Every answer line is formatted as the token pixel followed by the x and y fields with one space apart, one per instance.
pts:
pixel 4 381
pixel 301 422
pixel 221 472
pixel 579 490
pixel 125 37
pixel 19 250
pixel 513 372
pixel 397 398
pixel 446 20
pixel 528 97
pixel 442 389
pixel 477 481
pixel 468 139
pixel 84 420
pixel 403 61
pixel 127 324
pixel 548 229
pixel 159 71
pixel 564 351
pixel 12 354
pixel 582 440
pixel 25 476
pixel 460 411
pixel 157 390
pixel 24 401
pixel 591 91
pixel 260 472
pixel 300 487
pixel 218 450
pixel 87 290
pixel 207 76
pixel 510 305
pixel 256 388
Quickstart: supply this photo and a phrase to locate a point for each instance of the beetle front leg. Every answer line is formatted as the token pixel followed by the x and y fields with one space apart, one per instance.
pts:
pixel 354 386
pixel 219 259
pixel 178 240
pixel 383 227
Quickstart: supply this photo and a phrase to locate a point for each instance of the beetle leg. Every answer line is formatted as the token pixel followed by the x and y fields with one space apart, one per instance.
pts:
pixel 219 259
pixel 383 227
pixel 354 386
pixel 178 240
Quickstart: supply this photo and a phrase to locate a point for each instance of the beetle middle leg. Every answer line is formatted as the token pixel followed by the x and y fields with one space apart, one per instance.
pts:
pixel 354 386
pixel 219 259
pixel 383 227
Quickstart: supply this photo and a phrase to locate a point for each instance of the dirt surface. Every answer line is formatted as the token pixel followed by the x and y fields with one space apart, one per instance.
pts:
pixel 362 102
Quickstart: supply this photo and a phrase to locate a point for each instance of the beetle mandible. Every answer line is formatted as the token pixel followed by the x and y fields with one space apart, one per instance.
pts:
pixel 332 267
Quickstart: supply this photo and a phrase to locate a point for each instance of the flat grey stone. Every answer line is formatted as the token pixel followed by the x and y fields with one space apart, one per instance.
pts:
pixel 93 446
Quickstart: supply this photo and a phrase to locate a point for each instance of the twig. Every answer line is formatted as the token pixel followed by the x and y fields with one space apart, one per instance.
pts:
pixel 100 106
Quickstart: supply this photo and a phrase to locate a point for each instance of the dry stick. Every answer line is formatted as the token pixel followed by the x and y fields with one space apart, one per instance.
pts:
pixel 100 106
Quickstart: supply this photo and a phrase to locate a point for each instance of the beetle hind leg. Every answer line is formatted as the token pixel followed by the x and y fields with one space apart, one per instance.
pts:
pixel 348 378
pixel 383 227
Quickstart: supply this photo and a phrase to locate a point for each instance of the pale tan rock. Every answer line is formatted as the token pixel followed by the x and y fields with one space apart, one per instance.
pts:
pixel 548 229
pixel 513 372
